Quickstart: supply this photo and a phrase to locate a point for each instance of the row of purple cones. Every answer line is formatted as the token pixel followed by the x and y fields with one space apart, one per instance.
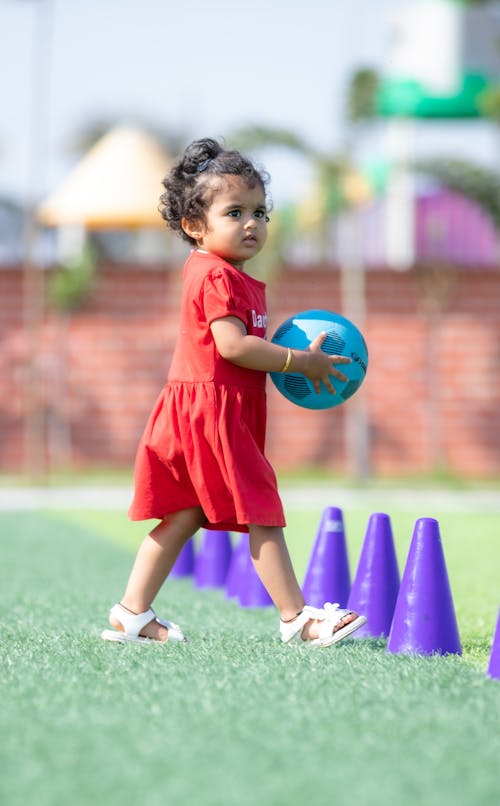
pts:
pixel 416 614
pixel 217 564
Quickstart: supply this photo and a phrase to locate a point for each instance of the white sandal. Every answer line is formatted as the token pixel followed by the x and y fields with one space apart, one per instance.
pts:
pixel 330 615
pixel 133 623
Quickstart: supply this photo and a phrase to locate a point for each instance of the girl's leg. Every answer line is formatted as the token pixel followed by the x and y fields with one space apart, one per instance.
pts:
pixel 273 565
pixel 154 561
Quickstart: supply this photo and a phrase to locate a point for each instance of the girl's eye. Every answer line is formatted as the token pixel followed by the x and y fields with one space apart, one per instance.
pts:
pixel 259 214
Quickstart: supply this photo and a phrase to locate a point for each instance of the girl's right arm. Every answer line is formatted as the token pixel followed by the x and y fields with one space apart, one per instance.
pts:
pixel 236 345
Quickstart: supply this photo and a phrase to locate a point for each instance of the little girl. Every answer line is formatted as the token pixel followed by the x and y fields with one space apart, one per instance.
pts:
pixel 201 462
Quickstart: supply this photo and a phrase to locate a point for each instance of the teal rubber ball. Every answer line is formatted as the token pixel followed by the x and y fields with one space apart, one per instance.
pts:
pixel 342 338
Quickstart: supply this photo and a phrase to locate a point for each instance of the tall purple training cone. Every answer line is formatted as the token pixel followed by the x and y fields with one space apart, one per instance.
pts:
pixel 327 577
pixel 184 565
pixel 494 664
pixel 376 583
pixel 237 568
pixel 424 617
pixel 213 559
pixel 252 592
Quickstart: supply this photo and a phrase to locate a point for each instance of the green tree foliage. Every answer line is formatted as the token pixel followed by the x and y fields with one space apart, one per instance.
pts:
pixel 71 283
pixel 362 95
pixel 328 195
pixel 329 169
pixel 250 138
pixel 489 103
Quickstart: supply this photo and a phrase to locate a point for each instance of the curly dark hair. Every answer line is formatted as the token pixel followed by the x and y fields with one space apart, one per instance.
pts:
pixel 188 191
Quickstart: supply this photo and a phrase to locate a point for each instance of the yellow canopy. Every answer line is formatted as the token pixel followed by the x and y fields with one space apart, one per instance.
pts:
pixel 115 186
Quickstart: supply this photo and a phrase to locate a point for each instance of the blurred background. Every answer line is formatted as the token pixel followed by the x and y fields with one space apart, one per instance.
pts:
pixel 379 125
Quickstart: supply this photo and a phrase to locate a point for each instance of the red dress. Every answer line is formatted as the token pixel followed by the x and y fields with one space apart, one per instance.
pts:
pixel 203 444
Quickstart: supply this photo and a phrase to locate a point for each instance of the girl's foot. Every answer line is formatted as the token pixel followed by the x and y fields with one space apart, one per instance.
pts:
pixel 321 626
pixel 140 627
pixel 311 629
pixel 153 629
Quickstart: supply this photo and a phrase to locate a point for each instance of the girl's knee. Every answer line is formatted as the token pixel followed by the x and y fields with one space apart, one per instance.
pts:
pixel 179 526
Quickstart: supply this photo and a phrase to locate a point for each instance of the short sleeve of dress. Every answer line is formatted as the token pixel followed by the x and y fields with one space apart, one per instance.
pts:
pixel 223 296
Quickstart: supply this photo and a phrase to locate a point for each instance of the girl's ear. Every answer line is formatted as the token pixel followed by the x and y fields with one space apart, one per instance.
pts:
pixel 192 228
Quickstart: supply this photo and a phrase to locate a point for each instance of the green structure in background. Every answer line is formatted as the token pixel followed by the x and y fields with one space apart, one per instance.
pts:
pixel 409 98
pixel 444 56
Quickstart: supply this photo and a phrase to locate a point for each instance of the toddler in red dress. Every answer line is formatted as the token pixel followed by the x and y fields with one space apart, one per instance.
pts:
pixel 201 462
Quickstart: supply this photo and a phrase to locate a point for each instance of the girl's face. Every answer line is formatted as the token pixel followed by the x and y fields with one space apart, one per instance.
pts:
pixel 235 226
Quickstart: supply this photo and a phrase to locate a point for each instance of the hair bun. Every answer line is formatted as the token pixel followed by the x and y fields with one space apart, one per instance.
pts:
pixel 198 154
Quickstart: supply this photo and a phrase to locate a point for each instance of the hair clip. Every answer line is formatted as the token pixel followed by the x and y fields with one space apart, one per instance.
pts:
pixel 203 165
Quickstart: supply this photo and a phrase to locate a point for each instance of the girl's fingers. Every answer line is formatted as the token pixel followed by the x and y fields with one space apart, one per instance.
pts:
pixel 314 347
pixel 339 359
pixel 339 375
pixel 327 382
pixel 317 342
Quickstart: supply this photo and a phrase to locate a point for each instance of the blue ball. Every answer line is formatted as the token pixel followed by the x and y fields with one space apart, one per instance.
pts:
pixel 343 338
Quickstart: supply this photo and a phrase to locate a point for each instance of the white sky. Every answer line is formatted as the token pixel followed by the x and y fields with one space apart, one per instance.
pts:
pixel 196 66
pixel 203 67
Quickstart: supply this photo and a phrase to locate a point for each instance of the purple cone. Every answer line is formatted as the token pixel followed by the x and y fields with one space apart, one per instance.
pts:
pixel 252 592
pixel 424 618
pixel 213 559
pixel 237 568
pixel 494 664
pixel 376 584
pixel 184 565
pixel 327 577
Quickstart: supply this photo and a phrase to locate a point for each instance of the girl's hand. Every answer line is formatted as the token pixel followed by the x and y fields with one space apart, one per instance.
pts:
pixel 320 366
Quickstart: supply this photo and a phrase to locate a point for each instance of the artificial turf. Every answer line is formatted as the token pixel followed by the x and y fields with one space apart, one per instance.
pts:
pixel 233 717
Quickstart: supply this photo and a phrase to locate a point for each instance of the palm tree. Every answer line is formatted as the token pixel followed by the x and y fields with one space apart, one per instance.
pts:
pixel 312 215
pixel 362 95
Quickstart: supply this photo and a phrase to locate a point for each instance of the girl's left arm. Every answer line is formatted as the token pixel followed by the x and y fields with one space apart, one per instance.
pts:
pixel 252 352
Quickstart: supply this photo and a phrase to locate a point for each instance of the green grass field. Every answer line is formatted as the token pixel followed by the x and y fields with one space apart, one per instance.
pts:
pixel 234 717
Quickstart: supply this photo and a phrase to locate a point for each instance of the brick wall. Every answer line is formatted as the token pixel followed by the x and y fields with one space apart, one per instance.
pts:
pixel 431 396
